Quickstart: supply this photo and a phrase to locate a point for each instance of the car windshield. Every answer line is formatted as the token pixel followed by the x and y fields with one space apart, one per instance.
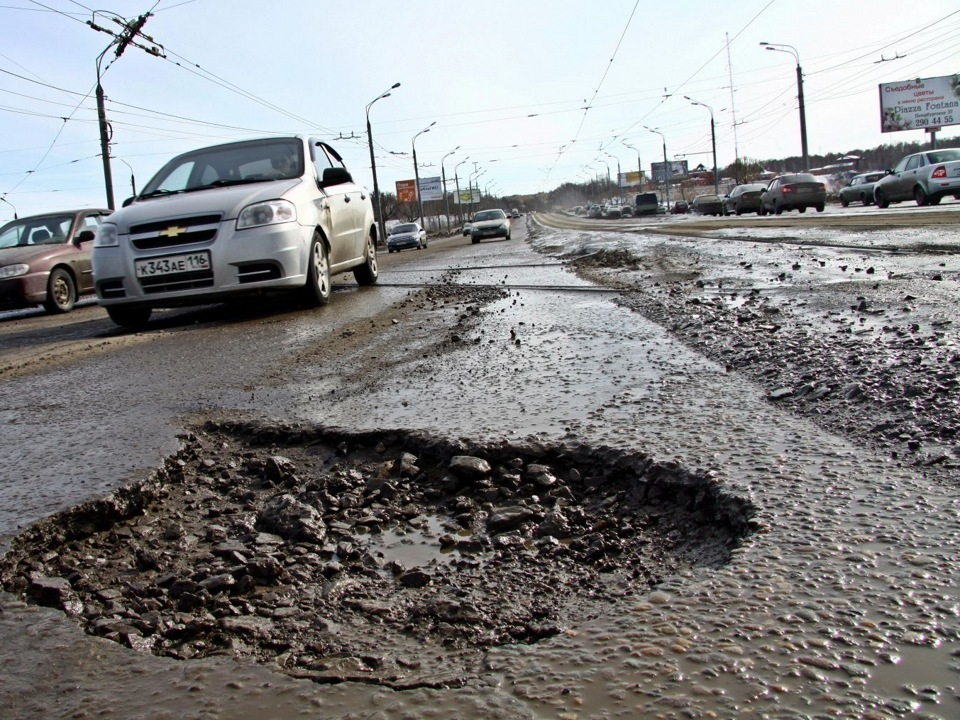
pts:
pixel 489 215
pixel 939 156
pixel 232 164
pixel 42 230
pixel 408 228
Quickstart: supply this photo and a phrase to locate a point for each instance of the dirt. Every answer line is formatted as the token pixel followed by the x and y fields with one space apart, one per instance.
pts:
pixel 390 558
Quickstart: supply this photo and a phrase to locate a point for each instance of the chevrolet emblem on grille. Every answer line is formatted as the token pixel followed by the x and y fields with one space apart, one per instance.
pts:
pixel 172 231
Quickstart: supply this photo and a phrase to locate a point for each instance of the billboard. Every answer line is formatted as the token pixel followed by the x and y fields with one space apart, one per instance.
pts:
pixel 406 191
pixel 629 179
pixel 431 189
pixel 920 104
pixel 466 198
pixel 678 168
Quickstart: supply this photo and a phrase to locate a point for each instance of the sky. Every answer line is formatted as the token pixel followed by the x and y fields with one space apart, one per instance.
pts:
pixel 517 97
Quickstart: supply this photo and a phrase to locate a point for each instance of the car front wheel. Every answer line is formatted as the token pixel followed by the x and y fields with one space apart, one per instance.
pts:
pixel 61 292
pixel 316 291
pixel 129 317
pixel 844 202
pixel 881 200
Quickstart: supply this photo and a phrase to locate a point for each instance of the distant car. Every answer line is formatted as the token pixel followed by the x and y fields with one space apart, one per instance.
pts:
pixel 578 210
pixel 860 189
pixel 488 224
pixel 744 198
pixel 406 235
pixel 466 230
pixel 594 211
pixel 612 212
pixel 926 177
pixel 515 213
pixel 707 205
pixel 646 204
pixel 626 210
pixel 797 191
pixel 45 259
pixel 680 207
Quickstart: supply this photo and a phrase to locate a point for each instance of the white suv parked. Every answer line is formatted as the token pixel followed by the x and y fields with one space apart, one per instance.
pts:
pixel 272 214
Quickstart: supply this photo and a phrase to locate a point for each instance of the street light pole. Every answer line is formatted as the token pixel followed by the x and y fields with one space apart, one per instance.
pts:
pixel 666 167
pixel 416 171
pixel 443 173
pixel 713 142
pixel 457 178
pixel 381 225
pixel 639 166
pixel 779 47
pixel 618 167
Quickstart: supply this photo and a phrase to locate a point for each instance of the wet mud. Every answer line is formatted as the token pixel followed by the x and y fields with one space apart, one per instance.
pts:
pixel 391 558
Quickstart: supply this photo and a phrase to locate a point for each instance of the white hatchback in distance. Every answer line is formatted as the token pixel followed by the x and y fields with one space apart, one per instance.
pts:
pixel 247 217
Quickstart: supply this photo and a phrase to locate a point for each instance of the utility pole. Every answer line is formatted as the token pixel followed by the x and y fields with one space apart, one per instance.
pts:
pixel 131 30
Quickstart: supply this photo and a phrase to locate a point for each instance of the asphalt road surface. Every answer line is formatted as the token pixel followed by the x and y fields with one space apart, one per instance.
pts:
pixel 844 603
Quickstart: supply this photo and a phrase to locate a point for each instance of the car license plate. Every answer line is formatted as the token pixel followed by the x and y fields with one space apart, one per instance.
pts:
pixel 172 264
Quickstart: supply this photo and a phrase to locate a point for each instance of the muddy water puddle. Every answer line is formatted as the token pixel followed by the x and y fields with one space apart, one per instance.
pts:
pixel 385 558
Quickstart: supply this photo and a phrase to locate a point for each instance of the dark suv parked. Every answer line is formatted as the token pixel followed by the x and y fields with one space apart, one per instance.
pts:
pixel 647 204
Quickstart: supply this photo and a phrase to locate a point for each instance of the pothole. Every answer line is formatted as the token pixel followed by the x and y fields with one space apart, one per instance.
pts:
pixel 385 557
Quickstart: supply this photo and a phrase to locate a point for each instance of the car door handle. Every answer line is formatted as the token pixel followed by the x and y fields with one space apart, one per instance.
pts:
pixel 362 196
pixel 346 198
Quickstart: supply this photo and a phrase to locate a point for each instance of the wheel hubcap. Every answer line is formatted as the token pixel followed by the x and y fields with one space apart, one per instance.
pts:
pixel 320 262
pixel 61 293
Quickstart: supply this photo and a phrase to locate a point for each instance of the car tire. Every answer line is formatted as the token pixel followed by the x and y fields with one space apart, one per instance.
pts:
pixel 934 199
pixel 316 291
pixel 368 273
pixel 920 196
pixel 739 210
pixel 762 210
pixel 881 200
pixel 777 208
pixel 61 292
pixel 864 200
pixel 129 317
pixel 820 207
pixel 475 241
pixel 844 202
pixel 802 208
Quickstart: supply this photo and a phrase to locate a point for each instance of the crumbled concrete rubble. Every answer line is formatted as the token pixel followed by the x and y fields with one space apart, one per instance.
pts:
pixel 274 542
pixel 893 391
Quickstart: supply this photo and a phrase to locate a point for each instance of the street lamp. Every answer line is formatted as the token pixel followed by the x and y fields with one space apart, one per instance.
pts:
pixel 713 141
pixel 608 171
pixel 639 166
pixel 416 171
pixel 618 167
pixel 475 174
pixel 382 234
pixel 457 178
pixel 443 173
pixel 666 167
pixel 779 47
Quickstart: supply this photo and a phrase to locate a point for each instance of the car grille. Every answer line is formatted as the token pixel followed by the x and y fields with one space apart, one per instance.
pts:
pixel 175 233
pixel 177 282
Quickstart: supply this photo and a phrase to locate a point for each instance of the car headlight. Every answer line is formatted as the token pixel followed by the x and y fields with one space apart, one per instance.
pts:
pixel 11 271
pixel 267 213
pixel 107 236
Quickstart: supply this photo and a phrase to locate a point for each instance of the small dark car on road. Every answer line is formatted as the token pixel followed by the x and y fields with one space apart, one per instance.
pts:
pixel 406 235
pixel 680 207
pixel 797 191
pixel 707 205
pixel 646 204
pixel 45 259
pixel 744 198
pixel 860 189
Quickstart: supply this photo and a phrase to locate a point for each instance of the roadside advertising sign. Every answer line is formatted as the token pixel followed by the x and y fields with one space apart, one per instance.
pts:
pixel 431 189
pixel 678 168
pixel 921 104
pixel 628 179
pixel 465 197
pixel 406 191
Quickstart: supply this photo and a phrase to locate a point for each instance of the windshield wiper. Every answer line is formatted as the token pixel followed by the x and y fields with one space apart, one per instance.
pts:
pixel 159 193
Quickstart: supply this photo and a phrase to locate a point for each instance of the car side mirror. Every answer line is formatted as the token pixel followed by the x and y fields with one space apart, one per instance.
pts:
pixel 335 176
pixel 128 201
pixel 83 236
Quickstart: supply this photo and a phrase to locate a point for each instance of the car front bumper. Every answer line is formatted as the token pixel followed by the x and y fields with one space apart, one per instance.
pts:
pixel 272 257
pixel 402 243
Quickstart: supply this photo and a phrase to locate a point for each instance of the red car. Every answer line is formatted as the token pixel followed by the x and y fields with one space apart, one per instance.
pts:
pixel 45 259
